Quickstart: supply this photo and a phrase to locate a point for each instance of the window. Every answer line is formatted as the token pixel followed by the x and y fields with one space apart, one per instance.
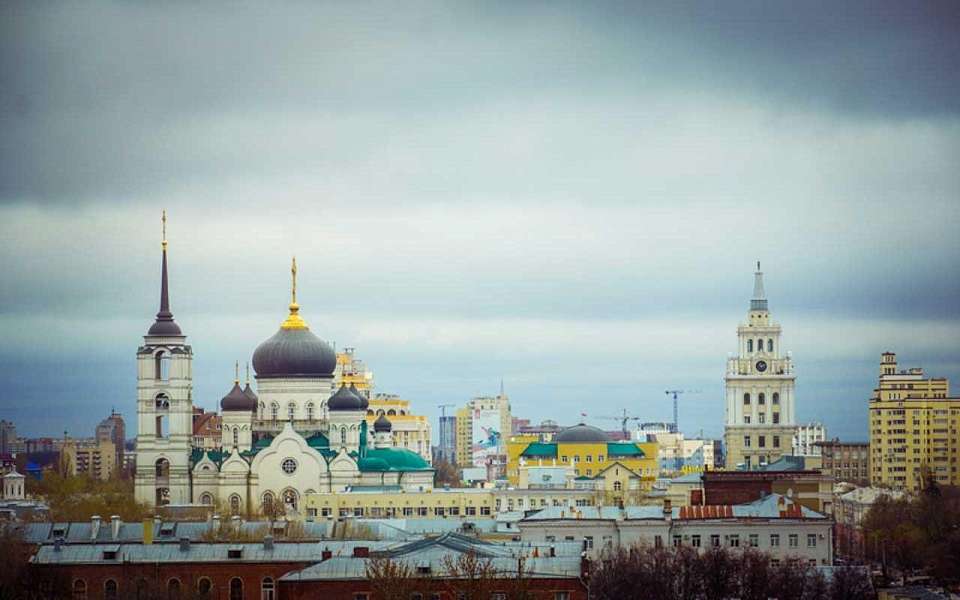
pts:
pixel 485 510
pixel 173 589
pixel 734 541
pixel 110 590
pixel 695 541
pixel 759 345
pixel 291 411
pixel 599 458
pixel 588 542
pixel 204 586
pixel 289 466
pixel 617 486
pixel 770 345
pixel 776 441
pixel 471 511
pixel 236 436
pixel 754 540
pixel 266 589
pixel 677 541
pixel 715 541
pixel 749 345
pixel 746 441
pixel 774 540
pixel 746 398
pixel 563 459
pixel 746 419
pixel 776 418
pixel 561 596
pixel 234 504
pixel 262 410
pixel 162 366
pixel 343 436
pixel 761 398
pixel 763 418
pixel 762 441
pixel 657 541
pixel 274 411
pixel 310 411
pixel 267 503
pixel 79 590
pixel 438 511
pixel 236 589
pixel 776 398
pixel 794 540
pixel 206 500
pixel 811 540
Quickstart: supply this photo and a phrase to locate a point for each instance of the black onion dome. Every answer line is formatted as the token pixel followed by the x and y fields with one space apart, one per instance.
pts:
pixel 382 424
pixel 249 393
pixel 345 400
pixel 365 402
pixel 236 400
pixel 582 433
pixel 294 353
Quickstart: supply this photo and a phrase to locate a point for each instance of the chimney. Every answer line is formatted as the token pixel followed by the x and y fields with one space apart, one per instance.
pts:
pixel 361 552
pixel 215 523
pixel 147 531
pixel 94 527
pixel 326 554
pixel 184 544
pixel 115 523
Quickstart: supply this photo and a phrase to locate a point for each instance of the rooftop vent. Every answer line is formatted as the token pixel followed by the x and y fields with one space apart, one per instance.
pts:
pixel 236 551
pixel 361 552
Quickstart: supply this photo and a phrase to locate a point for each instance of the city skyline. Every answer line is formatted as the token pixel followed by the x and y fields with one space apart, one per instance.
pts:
pixel 570 200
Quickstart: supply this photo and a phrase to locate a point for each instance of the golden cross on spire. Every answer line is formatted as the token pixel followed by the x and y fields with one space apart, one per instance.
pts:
pixel 163 220
pixel 293 273
pixel 294 320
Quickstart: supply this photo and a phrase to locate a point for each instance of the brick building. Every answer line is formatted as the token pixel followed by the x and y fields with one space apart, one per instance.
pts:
pixel 846 461
pixel 787 477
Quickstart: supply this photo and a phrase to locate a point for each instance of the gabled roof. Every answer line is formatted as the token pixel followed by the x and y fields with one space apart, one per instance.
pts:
pixel 540 450
pixel 625 449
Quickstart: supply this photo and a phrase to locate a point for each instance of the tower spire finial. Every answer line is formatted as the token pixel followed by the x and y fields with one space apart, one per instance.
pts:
pixel 236 372
pixel 294 320
pixel 759 300
pixel 164 325
pixel 248 373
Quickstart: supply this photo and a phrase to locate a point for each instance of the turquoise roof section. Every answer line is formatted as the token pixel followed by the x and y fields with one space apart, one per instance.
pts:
pixel 624 449
pixel 395 459
pixel 540 450
pixel 263 442
pixel 318 441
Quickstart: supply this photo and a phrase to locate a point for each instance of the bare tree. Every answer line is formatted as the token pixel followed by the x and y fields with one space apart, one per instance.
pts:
pixel 393 579
pixel 469 576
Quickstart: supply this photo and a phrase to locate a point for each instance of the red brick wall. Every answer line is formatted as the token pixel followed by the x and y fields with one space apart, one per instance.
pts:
pixel 543 589
pixel 157 575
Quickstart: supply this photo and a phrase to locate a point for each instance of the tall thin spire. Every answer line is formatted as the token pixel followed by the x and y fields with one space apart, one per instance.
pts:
pixel 164 325
pixel 294 320
pixel 759 300
pixel 236 372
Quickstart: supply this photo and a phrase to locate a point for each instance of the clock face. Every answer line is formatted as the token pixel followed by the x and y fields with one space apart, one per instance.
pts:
pixel 761 365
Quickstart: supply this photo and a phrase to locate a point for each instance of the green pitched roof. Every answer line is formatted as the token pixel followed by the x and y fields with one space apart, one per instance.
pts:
pixel 318 441
pixel 263 442
pixel 624 449
pixel 394 459
pixel 540 450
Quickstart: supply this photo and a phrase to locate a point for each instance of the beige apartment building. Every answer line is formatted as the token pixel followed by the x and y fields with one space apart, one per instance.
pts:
pixel 845 461
pixel 914 426
pixel 95 458
pixel 467 428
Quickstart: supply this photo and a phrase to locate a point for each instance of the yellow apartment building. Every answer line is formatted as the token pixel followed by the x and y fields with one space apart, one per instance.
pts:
pixel 410 431
pixel 94 458
pixel 589 451
pixel 913 429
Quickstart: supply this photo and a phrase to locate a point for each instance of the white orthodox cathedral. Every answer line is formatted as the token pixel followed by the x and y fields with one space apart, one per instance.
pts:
pixel 294 436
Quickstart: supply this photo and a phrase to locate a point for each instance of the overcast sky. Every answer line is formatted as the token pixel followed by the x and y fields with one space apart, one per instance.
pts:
pixel 571 197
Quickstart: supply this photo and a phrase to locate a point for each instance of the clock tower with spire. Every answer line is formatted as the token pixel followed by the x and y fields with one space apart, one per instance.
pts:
pixel 759 416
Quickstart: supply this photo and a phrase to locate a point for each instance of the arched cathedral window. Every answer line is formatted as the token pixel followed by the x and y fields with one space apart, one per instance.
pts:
pixel 759 345
pixel 770 345
pixel 310 411
pixel 749 345
pixel 236 436
pixel 776 398
pixel 262 411
pixel 162 366
pixel 746 398
pixel 343 436
pixel 291 410
pixel 274 411
pixel 761 399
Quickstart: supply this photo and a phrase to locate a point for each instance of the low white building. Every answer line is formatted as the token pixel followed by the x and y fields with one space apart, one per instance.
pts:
pixel 806 437
pixel 774 525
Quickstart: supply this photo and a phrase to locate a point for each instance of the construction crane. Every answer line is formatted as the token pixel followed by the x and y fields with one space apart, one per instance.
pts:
pixel 623 418
pixel 676 394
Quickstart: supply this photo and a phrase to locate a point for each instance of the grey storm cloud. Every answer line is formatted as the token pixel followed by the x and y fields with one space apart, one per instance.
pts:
pixel 569 196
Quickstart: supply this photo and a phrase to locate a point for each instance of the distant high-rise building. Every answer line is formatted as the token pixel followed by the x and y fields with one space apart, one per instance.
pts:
pixel 759 390
pixel 846 461
pixel 483 427
pixel 8 437
pixel 913 425
pixel 112 429
pixel 94 458
pixel 447 448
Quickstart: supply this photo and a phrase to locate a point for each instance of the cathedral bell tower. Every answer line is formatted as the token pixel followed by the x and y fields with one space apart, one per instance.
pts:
pixel 164 406
pixel 759 414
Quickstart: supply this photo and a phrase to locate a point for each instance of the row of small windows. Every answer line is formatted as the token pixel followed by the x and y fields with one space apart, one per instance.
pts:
pixel 111 589
pixel 310 409
pixel 760 345
pixel 762 398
